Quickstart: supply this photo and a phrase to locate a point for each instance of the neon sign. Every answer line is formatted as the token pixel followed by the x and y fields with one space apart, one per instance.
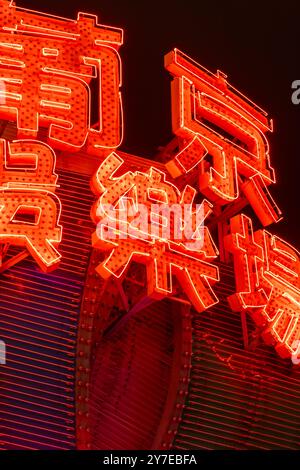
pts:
pixel 53 70
pixel 30 210
pixel 155 203
pixel 47 65
pixel 217 121
pixel 268 283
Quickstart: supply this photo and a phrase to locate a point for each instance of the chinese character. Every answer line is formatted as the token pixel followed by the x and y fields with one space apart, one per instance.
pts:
pixel 268 283
pixel 29 209
pixel 143 217
pixel 222 134
pixel 52 70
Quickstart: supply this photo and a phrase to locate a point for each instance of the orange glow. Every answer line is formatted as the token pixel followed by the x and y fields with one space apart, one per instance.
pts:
pixel 211 119
pixel 30 210
pixel 187 261
pixel 268 283
pixel 47 65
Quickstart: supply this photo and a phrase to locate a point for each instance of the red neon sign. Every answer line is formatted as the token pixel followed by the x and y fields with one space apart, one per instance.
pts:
pixel 164 248
pixel 268 283
pixel 47 65
pixel 50 68
pixel 30 211
pixel 212 119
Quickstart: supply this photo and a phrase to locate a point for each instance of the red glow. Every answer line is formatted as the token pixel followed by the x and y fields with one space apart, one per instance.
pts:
pixel 268 283
pixel 163 257
pixel 50 70
pixel 47 65
pixel 30 210
pixel 216 120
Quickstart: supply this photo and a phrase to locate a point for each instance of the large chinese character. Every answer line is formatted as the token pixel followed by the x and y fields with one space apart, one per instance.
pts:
pixel 145 218
pixel 29 209
pixel 221 133
pixel 267 273
pixel 52 70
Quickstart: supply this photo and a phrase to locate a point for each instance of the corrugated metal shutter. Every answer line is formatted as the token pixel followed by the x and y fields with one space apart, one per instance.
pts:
pixel 131 375
pixel 38 319
pixel 237 399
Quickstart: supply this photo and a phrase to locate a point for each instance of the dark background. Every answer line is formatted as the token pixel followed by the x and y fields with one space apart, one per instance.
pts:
pixel 255 43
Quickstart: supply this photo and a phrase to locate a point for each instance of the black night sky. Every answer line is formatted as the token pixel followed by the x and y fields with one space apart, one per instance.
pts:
pixel 254 42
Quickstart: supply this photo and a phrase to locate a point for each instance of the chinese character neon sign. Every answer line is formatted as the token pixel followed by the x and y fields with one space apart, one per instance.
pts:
pixel 30 211
pixel 50 68
pixel 47 65
pixel 268 283
pixel 154 203
pixel 217 121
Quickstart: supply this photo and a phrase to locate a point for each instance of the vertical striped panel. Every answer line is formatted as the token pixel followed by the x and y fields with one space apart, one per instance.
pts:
pixel 238 399
pixel 131 379
pixel 38 320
